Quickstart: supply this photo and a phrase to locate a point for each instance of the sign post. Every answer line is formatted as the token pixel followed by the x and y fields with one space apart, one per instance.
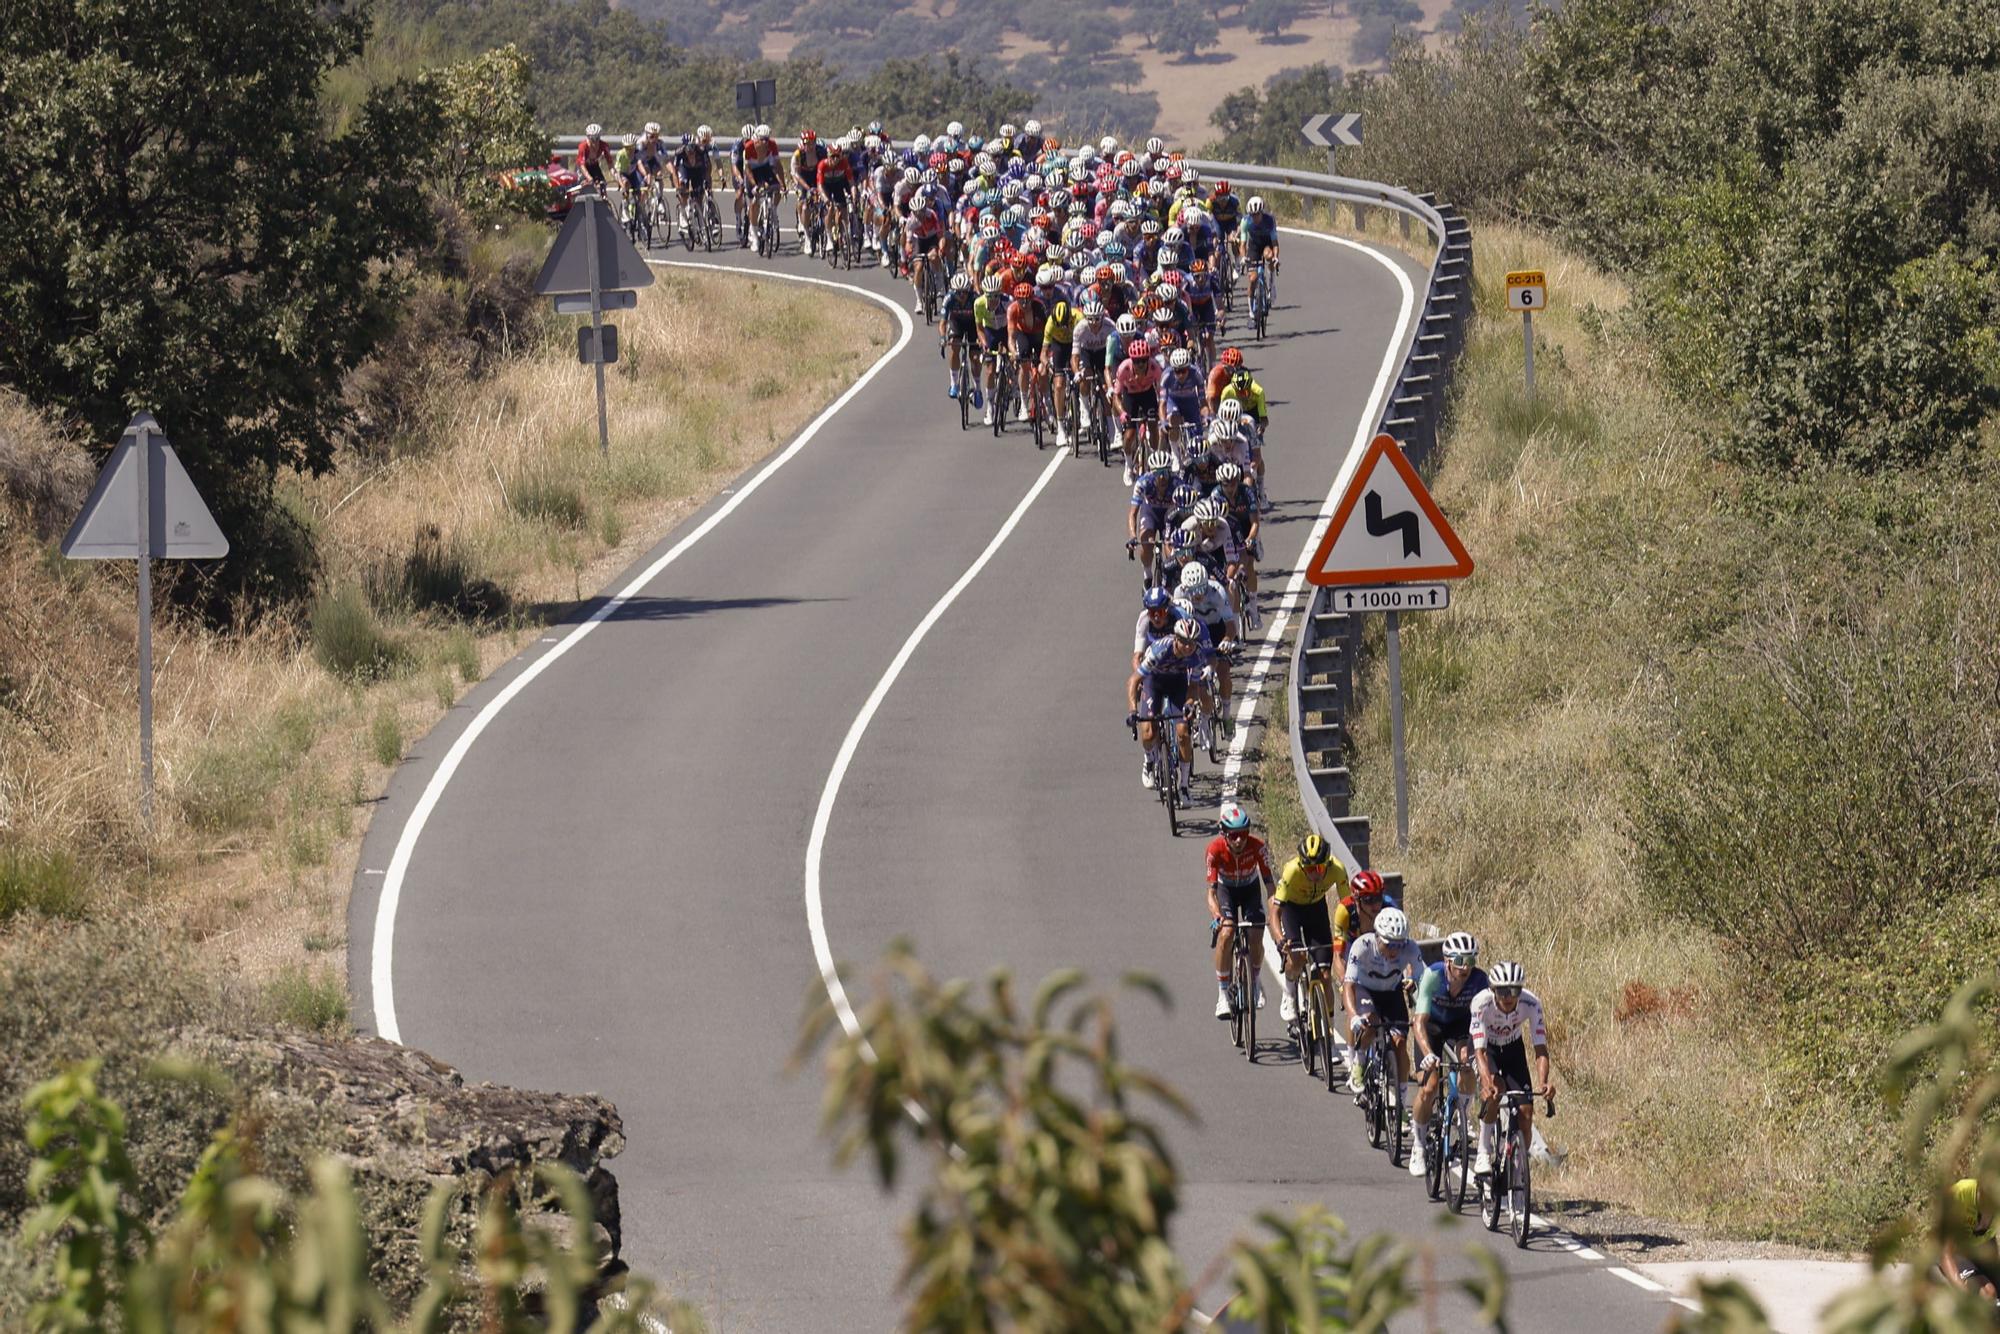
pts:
pixel 594 267
pixel 1329 129
pixel 1527 292
pixel 1377 563
pixel 144 506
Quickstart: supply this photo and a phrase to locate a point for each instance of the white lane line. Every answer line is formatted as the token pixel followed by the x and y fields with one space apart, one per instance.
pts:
pixel 382 953
pixel 1274 628
pixel 816 842
pixel 1637 1280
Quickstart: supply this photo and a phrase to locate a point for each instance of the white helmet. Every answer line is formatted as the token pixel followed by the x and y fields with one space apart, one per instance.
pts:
pixel 1007 130
pixel 749 132
pixel 1391 925
pixel 990 284
pixel 1256 204
pixel 961 281
pixel 1228 473
pixel 955 129
pixel 653 127
pixel 1085 154
pixel 629 140
pixel 1154 145
pixel 1160 461
pixel 911 175
pixel 593 131
pixel 1194 577
pixel 1034 127
pixel 1506 973
pixel 1128 324
pixel 1179 359
pixel 1045 275
pixel 1219 431
pixel 1035 183
pixel 763 131
pixel 1229 410
pixel 1460 944
pixel 701 132
pixel 921 143
pixel 1173 235
pixel 1108 145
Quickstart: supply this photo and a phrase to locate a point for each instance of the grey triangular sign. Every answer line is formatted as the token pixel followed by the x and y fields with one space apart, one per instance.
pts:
pixel 181 528
pixel 567 269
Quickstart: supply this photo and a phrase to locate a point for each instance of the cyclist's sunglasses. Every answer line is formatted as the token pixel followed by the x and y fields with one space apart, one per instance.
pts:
pixel 1236 833
pixel 1510 992
pixel 1461 960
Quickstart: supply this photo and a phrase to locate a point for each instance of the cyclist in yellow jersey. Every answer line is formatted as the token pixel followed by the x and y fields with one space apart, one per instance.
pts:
pixel 1969 1260
pixel 1058 333
pixel 1299 907
pixel 1244 388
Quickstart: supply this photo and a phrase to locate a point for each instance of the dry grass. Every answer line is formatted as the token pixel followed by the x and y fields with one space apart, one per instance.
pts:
pixel 264 757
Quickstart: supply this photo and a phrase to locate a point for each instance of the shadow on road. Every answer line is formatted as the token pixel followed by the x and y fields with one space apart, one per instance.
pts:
pixel 655 608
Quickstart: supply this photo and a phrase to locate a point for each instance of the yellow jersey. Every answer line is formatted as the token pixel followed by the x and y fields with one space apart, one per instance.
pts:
pixel 1061 324
pixel 1253 402
pixel 1964 1209
pixel 1297 885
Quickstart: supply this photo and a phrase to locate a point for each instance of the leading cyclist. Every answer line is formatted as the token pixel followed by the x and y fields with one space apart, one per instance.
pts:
pixel 1239 875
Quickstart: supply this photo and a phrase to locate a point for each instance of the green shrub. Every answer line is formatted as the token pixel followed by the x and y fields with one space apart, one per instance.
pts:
pixel 539 493
pixel 229 783
pixel 385 734
pixel 49 884
pixel 347 639
pixel 307 999
pixel 437 574
pixel 461 651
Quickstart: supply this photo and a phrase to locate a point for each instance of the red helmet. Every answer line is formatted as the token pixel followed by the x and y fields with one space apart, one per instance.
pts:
pixel 1367 885
pixel 808 136
pixel 1222 187
pixel 1232 356
pixel 936 161
pixel 1022 291
pixel 1106 274
pixel 1140 349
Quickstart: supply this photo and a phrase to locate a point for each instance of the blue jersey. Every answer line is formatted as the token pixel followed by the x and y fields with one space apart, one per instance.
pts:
pixel 1161 660
pixel 1260 226
pixel 1153 488
pixel 1443 1006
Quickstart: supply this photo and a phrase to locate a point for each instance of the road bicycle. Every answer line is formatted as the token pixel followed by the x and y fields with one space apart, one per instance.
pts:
pixel 634 216
pixel 1312 1028
pixel 1381 1096
pixel 1448 1142
pixel 1042 407
pixel 1092 419
pixel 768 199
pixel 1154 575
pixel 833 232
pixel 699 224
pixel 1003 388
pixel 1243 969
pixel 968 373
pixel 1508 1183
pixel 1260 298
pixel 657 211
pixel 1166 757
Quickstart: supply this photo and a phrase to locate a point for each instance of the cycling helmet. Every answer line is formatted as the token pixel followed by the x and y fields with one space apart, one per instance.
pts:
pixel 1256 204
pixel 956 166
pixel 1194 577
pixel 1058 253
pixel 1179 359
pixel 1228 473
pixel 1234 817
pixel 1108 144
pixel 749 132
pixel 1367 884
pixel 961 282
pixel 1506 973
pixel 1023 291
pixel 1189 175
pixel 930 176
pixel 921 144
pixel 874 127
pixel 1011 190
pixel 1187 493
pixel 653 127
pixel 1045 275
pixel 990 232
pixel 1200 266
pixel 1229 410
pixel 1115 249
pixel 1033 127
pixel 1093 309
pixel 1170 259
pixel 1188 628
pixel 911 175
pixel 1173 236
pixel 1232 357
pixel 702 132
pixel 1158 598
pixel 1461 945
pixel 1159 461
pixel 1007 130
pixel 1059 198
pixel 1181 540
pixel 1149 228
pixel 1131 167
pixel 1106 274
pixel 1140 350
pixel 955 129
pixel 1163 315
pixel 687 140
pixel 763 131
pixel 1035 183
pixel 1313 851
pixel 1392 925
pixel 1128 324
pixel 808 136
pixel 632 140
pixel 1240 381
pixel 1222 187
pixel 1208 512
pixel 1155 144
pixel 1219 431
pixel 990 284
pixel 593 131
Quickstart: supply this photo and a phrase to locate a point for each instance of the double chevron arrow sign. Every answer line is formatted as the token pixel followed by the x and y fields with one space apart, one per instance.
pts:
pixel 1330 130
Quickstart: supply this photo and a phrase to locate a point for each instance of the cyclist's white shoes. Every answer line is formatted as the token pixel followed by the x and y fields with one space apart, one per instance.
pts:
pixel 1222 1006
pixel 1483 1163
pixel 1024 413
pixel 1417 1158
pixel 1062 436
pixel 989 416
pixel 917 306
pixel 1286 1010
pixel 1146 772
pixel 1260 997
pixel 1354 1077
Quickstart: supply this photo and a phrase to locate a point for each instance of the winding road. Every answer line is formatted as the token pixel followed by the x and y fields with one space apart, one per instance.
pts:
pixel 886 666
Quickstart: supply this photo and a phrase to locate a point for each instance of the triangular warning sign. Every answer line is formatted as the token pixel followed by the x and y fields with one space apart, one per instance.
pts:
pixel 1387 529
pixel 178 526
pixel 619 264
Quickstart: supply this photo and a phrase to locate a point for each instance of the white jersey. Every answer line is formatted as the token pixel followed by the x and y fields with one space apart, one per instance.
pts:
pixel 1144 634
pixel 1212 608
pixel 1375 964
pixel 1494 1027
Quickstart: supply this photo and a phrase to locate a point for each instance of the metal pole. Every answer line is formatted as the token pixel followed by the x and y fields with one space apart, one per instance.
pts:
pixel 596 318
pixel 145 461
pixel 1528 347
pixel 1396 733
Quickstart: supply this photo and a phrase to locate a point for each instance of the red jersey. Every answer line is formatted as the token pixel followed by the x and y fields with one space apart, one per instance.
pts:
pixel 1238 868
pixel 834 169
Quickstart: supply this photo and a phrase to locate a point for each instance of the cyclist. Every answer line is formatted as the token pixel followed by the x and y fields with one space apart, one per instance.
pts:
pixel 1027 320
pixel 1501 1014
pixel 1058 355
pixel 1170 669
pixel 989 316
pixel 1138 385
pixel 592 155
pixel 1091 339
pixel 1259 233
pixel 1357 912
pixel 1299 907
pixel 1196 595
pixel 1381 968
pixel 760 159
pixel 1239 511
pixel 805 179
pixel 652 154
pixel 1225 366
pixel 1199 290
pixel 1227 210
pixel 834 180
pixel 1974 1231
pixel 1180 390
pixel 1239 876
pixel 1444 1018
pixel 693 168
pixel 1156 622
pixel 1212 541
pixel 626 164
pixel 1152 493
pixel 958 330
pixel 1244 390
pixel 739 177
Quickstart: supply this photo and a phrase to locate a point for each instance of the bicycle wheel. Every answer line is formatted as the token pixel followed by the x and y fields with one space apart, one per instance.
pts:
pixel 1434 1158
pixel 1394 1097
pixel 1372 1092
pixel 1460 1150
pixel 1323 1003
pixel 688 228
pixel 968 377
pixel 1171 792
pixel 1518 1200
pixel 1037 416
pixel 1491 1185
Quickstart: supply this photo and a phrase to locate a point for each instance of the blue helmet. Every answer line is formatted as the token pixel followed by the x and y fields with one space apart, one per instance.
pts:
pixel 1186 493
pixel 1114 250
pixel 1157 597
pixel 1234 816
pixel 687 140
pixel 1181 540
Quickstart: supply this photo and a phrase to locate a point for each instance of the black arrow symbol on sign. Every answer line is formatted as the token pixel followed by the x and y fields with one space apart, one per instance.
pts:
pixel 1381 527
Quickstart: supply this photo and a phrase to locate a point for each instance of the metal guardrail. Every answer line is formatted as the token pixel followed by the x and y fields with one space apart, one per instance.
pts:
pixel 1321 680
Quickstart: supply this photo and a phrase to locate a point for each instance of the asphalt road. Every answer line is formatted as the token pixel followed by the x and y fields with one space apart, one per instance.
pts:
pixel 605 893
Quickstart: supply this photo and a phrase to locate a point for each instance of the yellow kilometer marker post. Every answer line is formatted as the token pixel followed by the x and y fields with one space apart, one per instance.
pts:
pixel 1528 292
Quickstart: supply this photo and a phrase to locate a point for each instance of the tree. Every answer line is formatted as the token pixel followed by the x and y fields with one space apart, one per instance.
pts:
pixel 1271 17
pixel 1184 28
pixel 182 234
pixel 485 123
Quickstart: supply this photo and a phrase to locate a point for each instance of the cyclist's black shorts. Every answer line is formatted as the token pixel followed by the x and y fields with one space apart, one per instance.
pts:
pixel 990 337
pixel 927 245
pixel 1249 897
pixel 836 191
pixel 1256 247
pixel 1091 359
pixel 1059 354
pixel 1152 519
pixel 1510 1065
pixel 1455 1029
pixel 961 329
pixel 764 174
pixel 1309 923
pixel 1391 1007
pixel 1168 688
pixel 1140 404
pixel 1027 346
pixel 595 170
